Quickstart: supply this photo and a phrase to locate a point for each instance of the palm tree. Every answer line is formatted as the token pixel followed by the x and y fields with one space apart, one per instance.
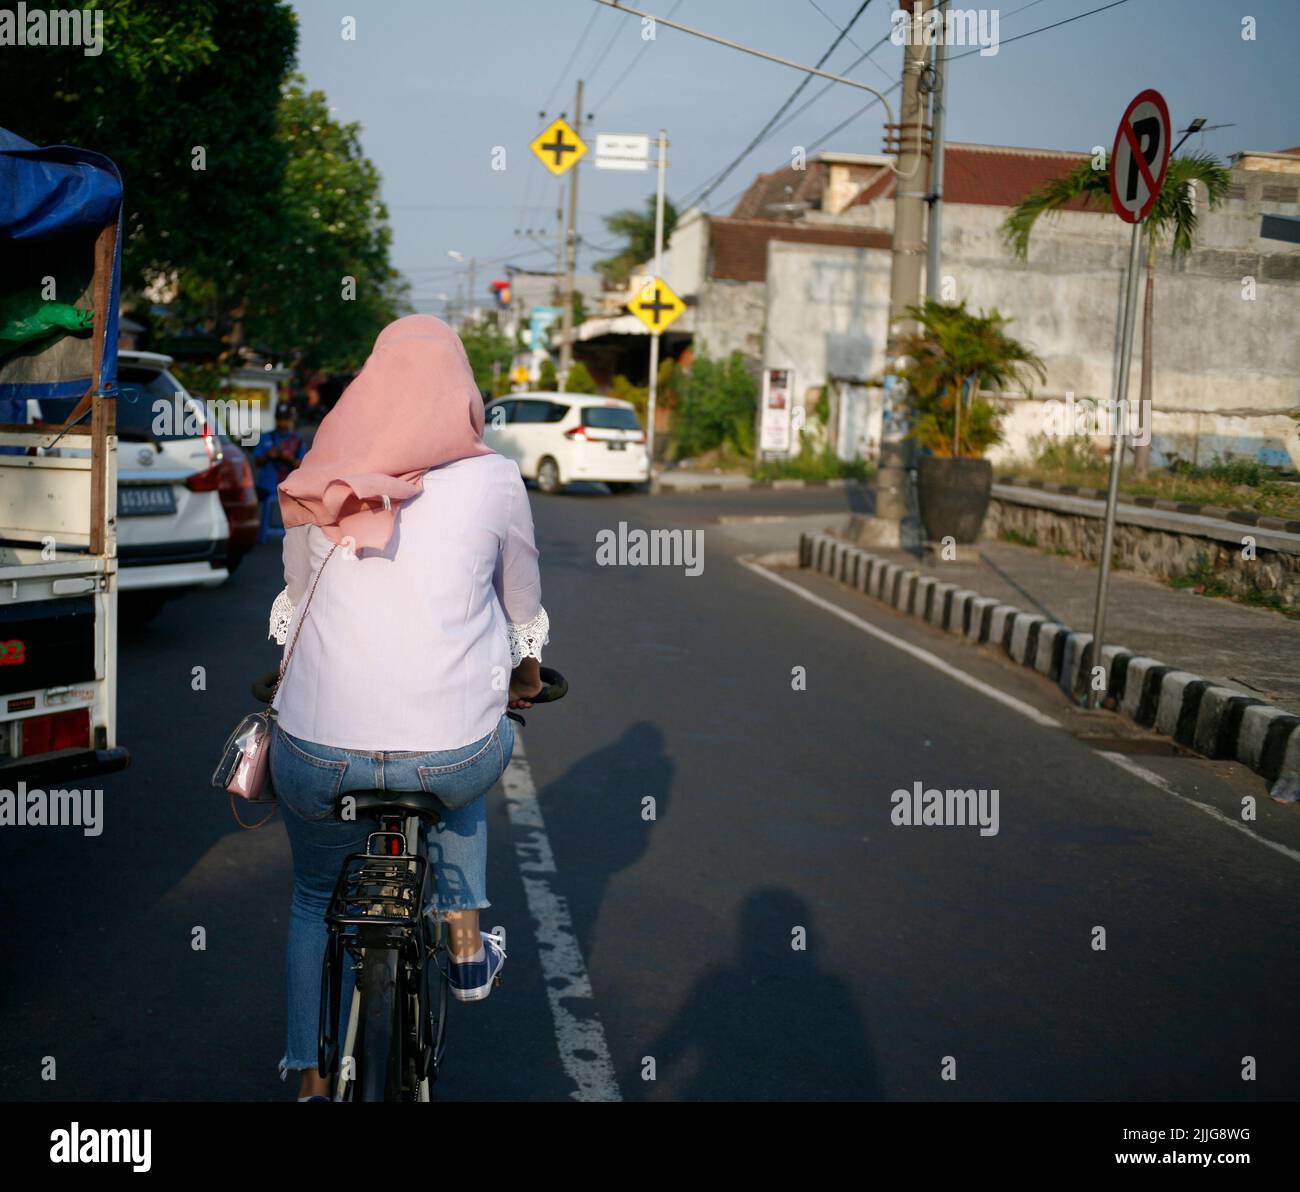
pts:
pixel 953 353
pixel 1174 218
pixel 638 229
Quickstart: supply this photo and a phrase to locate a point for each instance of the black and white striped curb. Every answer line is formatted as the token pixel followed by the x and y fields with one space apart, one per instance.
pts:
pixel 1216 721
pixel 704 486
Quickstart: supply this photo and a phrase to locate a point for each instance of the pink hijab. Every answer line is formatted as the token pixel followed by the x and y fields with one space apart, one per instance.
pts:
pixel 412 407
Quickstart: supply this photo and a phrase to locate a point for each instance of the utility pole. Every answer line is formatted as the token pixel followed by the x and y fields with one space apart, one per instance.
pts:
pixel 571 246
pixel 892 505
pixel 472 263
pixel 654 335
pixel 938 101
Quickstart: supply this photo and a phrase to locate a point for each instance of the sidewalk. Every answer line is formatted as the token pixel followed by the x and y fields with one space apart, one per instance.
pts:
pixel 1252 650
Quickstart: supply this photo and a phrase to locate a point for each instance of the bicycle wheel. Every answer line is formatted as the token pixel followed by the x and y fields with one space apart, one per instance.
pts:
pixel 378 1039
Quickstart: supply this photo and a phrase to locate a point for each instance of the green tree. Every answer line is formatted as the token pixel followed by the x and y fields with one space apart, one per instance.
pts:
pixel 331 226
pixel 486 346
pixel 717 407
pixel 1173 218
pixel 579 379
pixel 950 358
pixel 638 230
pixel 184 99
pixel 547 380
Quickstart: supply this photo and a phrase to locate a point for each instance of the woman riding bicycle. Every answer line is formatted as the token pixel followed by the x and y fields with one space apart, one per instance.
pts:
pixel 426 624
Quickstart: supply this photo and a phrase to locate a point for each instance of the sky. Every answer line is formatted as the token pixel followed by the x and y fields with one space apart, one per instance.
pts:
pixel 438 85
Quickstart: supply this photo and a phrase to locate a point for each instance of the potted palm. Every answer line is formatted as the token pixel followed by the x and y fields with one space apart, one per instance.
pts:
pixel 952 357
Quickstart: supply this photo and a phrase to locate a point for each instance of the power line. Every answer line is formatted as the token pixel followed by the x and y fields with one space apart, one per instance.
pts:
pixel 1006 41
pixel 632 65
pixel 577 49
pixel 762 133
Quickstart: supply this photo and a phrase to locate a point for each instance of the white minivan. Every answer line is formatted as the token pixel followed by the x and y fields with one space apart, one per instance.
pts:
pixel 559 438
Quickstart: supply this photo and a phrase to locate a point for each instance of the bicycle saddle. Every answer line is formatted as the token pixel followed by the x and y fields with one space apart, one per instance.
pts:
pixel 375 802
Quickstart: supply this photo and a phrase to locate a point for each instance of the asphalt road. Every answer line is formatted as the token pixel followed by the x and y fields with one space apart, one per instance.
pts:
pixel 669 946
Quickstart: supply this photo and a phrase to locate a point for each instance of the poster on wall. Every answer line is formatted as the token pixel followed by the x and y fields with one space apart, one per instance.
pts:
pixel 778 393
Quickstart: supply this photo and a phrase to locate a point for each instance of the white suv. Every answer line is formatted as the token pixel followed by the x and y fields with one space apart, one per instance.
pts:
pixel 558 438
pixel 172 531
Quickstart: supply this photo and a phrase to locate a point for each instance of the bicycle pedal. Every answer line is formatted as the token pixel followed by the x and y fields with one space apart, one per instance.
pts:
pixel 496 981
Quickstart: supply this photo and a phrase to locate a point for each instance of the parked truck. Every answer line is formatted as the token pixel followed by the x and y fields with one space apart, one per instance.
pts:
pixel 60 247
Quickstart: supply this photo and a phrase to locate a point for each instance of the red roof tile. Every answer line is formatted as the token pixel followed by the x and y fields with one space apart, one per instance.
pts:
pixel 738 247
pixel 989 176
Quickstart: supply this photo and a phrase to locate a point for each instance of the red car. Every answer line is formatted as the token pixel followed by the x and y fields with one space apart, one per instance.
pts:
pixel 239 499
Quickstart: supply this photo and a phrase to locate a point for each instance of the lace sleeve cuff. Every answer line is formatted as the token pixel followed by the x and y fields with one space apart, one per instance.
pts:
pixel 281 615
pixel 527 640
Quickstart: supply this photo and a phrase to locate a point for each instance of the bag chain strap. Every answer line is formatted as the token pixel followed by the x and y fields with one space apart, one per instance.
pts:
pixel 288 654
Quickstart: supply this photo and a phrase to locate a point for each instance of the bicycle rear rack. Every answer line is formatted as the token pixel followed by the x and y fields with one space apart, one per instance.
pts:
pixel 377 903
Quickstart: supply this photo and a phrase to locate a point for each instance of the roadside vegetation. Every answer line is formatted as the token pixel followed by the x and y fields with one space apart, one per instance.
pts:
pixel 1242 484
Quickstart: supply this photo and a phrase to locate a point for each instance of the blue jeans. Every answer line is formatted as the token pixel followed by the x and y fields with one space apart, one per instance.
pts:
pixel 308 779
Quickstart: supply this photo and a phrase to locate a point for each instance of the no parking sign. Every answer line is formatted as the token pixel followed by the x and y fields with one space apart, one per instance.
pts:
pixel 1140 157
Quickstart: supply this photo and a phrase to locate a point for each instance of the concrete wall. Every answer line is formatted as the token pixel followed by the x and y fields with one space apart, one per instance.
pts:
pixel 820 301
pixel 730 317
pixel 1226 366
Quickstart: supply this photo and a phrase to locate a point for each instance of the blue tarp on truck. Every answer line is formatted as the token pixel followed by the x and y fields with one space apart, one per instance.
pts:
pixel 55 198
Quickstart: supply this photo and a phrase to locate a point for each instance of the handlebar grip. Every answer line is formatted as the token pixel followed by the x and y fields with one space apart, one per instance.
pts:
pixel 554 686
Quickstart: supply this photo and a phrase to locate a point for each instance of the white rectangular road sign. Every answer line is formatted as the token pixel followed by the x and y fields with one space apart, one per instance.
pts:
pixel 615 152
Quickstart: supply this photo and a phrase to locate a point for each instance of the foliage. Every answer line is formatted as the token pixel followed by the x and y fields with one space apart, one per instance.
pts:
pixel 638 395
pixel 950 358
pixel 161 88
pixel 814 463
pixel 258 229
pixel 485 346
pixel 1230 484
pixel 638 230
pixel 331 225
pixel 547 380
pixel 1174 215
pixel 579 379
pixel 719 401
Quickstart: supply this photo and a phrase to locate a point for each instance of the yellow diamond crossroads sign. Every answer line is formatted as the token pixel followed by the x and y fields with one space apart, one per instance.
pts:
pixel 559 147
pixel 656 306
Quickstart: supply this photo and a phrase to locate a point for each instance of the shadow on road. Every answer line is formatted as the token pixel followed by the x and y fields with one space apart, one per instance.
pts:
pixel 769 1023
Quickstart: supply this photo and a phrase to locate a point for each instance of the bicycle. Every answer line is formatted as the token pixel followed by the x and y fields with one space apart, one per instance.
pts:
pixel 396 1031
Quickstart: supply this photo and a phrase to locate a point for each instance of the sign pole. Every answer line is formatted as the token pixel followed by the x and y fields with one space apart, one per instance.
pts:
pixel 1119 402
pixel 1138 162
pixel 654 334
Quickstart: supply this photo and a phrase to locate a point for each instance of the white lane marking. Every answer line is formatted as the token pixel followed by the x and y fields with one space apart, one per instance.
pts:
pixel 915 651
pixel 581 1041
pixel 1024 709
pixel 1161 783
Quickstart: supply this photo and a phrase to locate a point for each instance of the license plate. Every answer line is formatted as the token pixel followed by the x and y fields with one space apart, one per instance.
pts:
pixel 617 446
pixel 145 500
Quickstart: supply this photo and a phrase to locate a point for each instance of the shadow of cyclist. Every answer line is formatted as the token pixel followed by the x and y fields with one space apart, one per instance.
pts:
pixel 608 803
pixel 770 1025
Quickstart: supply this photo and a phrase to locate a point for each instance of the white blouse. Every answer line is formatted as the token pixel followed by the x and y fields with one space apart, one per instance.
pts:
pixel 410 648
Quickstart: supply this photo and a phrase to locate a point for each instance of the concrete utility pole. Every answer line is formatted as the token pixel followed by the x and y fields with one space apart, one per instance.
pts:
pixel 934 242
pixel 571 246
pixel 659 267
pixel 908 248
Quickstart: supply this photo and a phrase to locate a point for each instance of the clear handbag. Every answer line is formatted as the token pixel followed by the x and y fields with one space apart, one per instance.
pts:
pixel 244 770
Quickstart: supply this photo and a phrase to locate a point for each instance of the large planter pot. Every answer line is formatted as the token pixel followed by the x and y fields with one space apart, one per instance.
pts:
pixel 954 496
